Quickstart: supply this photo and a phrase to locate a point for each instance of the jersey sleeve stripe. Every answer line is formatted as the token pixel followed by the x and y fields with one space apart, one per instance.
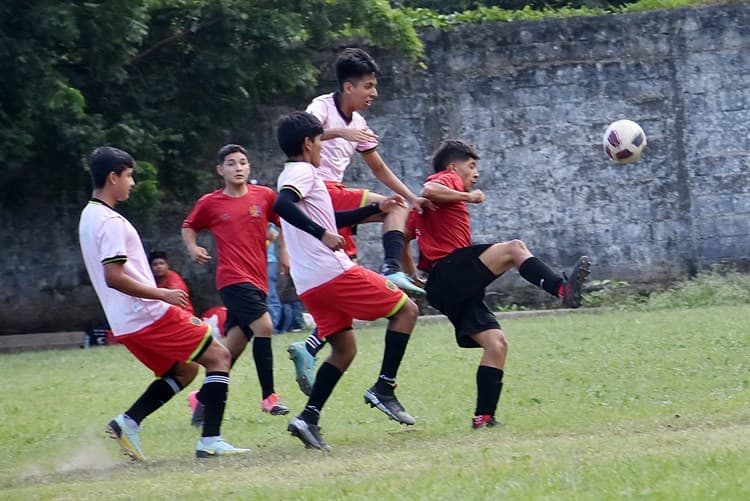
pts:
pixel 292 189
pixel 115 259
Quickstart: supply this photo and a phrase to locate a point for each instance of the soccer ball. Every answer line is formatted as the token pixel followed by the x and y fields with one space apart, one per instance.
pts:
pixel 624 141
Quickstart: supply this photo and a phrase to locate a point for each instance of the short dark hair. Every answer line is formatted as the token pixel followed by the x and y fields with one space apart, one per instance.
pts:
pixel 352 64
pixel 228 149
pixel 106 159
pixel 452 150
pixel 157 255
pixel 294 128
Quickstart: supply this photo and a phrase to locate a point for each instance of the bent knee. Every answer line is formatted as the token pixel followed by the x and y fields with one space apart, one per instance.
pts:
pixel 498 343
pixel 410 309
pixel 518 246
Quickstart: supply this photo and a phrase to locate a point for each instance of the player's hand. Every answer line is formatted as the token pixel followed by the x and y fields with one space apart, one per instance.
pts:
pixel 176 297
pixel 422 203
pixel 476 197
pixel 359 135
pixel 333 241
pixel 199 254
pixel 391 202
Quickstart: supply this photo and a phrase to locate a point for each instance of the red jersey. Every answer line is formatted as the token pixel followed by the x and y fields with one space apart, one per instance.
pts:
pixel 445 229
pixel 173 280
pixel 239 226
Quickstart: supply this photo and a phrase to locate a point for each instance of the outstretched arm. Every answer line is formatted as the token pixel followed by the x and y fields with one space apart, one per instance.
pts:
pixel 346 218
pixel 386 175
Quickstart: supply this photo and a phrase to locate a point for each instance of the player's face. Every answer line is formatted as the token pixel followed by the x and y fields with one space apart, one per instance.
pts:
pixel 159 267
pixel 364 93
pixel 235 169
pixel 123 184
pixel 316 146
pixel 467 171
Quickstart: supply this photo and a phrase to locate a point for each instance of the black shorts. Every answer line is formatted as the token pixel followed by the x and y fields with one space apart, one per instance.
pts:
pixel 456 287
pixel 245 304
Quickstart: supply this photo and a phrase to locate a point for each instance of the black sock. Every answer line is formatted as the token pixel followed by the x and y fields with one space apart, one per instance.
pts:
pixel 535 271
pixel 393 246
pixel 213 394
pixel 313 343
pixel 157 394
pixel 310 415
pixel 489 387
pixel 393 353
pixel 263 357
pixel 325 381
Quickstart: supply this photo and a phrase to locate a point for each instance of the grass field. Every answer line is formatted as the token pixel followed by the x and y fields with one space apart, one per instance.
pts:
pixel 618 404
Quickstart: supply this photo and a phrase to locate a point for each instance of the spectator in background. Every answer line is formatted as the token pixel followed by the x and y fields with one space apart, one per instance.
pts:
pixel 167 278
pixel 291 319
pixel 272 300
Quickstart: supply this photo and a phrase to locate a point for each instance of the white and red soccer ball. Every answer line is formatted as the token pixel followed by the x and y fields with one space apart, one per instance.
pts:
pixel 624 141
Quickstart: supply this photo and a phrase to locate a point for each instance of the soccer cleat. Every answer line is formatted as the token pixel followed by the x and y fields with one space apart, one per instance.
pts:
pixel 197 409
pixel 128 438
pixel 390 406
pixel 570 290
pixel 274 406
pixel 308 433
pixel 405 283
pixel 304 366
pixel 218 448
pixel 483 421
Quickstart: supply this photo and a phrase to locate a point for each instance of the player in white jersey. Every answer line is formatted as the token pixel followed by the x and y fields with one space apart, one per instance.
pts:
pixel 345 132
pixel 149 321
pixel 332 287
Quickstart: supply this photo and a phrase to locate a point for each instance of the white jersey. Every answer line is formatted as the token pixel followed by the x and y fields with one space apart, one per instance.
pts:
pixel 107 237
pixel 312 262
pixel 337 152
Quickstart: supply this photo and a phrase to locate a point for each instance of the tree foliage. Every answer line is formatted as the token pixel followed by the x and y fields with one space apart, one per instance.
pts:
pixel 160 78
pixel 451 6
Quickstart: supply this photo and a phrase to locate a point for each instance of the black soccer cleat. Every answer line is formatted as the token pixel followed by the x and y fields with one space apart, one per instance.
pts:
pixel 573 285
pixel 389 405
pixel 308 433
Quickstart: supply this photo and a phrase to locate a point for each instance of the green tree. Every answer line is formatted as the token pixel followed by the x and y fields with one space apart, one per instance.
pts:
pixel 450 6
pixel 164 79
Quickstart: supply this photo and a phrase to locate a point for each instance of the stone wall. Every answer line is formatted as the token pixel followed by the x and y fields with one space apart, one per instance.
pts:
pixel 534 98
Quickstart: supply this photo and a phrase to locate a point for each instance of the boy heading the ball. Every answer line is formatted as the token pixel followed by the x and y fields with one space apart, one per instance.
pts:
pixel 345 132
pixel 150 322
pixel 332 287
pixel 460 271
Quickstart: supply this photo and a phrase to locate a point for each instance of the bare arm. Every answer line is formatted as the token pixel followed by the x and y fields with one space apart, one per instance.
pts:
pixel 197 253
pixel 439 193
pixel 386 175
pixel 114 275
pixel 353 135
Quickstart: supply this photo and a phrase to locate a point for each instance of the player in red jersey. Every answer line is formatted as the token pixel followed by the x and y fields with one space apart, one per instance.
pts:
pixel 459 271
pixel 237 216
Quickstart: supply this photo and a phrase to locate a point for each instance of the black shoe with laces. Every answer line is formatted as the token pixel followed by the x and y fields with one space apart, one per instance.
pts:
pixel 389 405
pixel 308 433
pixel 573 285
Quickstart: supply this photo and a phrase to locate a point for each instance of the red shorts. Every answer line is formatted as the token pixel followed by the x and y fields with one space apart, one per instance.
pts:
pixel 357 293
pixel 178 336
pixel 344 198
